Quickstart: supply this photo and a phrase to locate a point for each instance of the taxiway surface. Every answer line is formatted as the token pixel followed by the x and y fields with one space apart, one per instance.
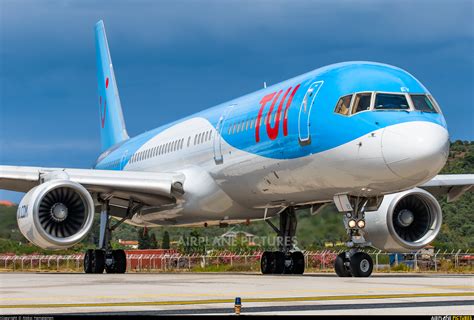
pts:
pixel 214 293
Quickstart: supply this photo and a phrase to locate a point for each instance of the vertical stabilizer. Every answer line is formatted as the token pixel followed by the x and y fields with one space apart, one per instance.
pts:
pixel 112 124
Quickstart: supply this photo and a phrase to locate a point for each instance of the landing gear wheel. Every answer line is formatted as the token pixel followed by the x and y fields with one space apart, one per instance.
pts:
pixel 361 264
pixel 267 262
pixel 120 261
pixel 340 266
pixel 88 261
pixel 110 264
pixel 297 258
pixel 279 262
pixel 98 261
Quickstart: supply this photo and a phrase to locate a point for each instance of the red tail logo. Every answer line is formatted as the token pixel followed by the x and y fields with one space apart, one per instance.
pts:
pixel 102 111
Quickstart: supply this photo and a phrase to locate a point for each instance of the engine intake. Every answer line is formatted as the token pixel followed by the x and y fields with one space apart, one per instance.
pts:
pixel 56 214
pixel 405 221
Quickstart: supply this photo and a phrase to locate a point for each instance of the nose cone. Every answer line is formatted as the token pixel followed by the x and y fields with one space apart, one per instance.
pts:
pixel 415 150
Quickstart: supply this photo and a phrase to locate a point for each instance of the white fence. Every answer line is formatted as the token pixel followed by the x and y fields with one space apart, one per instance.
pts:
pixel 314 261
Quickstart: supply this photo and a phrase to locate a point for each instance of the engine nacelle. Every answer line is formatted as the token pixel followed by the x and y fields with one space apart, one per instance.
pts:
pixel 405 221
pixel 56 214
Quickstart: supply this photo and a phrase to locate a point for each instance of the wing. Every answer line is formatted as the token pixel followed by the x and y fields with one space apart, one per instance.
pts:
pixel 454 185
pixel 148 188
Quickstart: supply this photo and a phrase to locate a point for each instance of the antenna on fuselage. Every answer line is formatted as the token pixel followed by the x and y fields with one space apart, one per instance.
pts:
pixel 264 84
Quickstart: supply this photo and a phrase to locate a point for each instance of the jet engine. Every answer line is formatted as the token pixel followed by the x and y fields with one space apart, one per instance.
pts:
pixel 405 221
pixel 56 214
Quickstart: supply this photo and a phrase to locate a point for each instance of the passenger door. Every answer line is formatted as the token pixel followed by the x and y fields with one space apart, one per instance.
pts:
pixel 218 156
pixel 304 119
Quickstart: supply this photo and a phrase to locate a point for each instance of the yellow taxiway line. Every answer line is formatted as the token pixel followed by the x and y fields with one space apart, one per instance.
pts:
pixel 215 301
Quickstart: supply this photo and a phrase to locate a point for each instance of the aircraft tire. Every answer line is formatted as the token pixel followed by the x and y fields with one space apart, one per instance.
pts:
pixel 88 261
pixel 297 258
pixel 361 264
pixel 340 267
pixel 267 262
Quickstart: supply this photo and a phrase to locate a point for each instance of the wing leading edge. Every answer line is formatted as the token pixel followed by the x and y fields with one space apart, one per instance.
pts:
pixel 150 188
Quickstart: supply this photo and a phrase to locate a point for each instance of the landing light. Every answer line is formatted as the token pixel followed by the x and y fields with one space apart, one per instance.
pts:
pixel 352 223
pixel 361 224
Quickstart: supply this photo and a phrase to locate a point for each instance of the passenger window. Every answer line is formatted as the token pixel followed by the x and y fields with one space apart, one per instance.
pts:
pixel 385 101
pixel 421 102
pixel 189 141
pixel 343 105
pixel 361 102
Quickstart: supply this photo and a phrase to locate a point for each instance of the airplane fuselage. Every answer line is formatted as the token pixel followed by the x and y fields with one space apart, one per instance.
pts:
pixel 288 144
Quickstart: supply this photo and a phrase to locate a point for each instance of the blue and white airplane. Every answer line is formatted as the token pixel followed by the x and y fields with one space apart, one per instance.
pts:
pixel 367 136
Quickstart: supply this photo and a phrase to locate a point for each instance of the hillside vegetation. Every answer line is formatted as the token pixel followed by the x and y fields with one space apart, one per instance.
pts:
pixel 313 231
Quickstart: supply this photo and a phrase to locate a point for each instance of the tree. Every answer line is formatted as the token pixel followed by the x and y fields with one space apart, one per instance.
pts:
pixel 143 239
pixel 166 240
pixel 153 242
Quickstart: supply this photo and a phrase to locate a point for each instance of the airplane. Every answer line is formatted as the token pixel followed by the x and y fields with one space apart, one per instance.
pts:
pixel 366 136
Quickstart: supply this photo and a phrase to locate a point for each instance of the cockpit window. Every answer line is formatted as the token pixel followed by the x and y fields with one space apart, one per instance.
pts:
pixel 343 105
pixel 361 102
pixel 385 101
pixel 421 102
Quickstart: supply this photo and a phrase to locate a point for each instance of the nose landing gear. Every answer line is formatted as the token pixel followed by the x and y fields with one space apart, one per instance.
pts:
pixel 354 263
pixel 285 260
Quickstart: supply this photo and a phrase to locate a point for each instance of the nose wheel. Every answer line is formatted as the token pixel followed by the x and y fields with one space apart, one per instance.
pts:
pixel 356 264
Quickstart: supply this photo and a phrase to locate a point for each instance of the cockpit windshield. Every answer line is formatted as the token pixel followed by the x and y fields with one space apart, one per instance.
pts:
pixel 387 101
pixel 421 102
pixel 343 105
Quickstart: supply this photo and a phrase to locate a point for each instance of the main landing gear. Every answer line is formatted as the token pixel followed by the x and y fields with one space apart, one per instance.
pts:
pixel 105 258
pixel 354 263
pixel 285 260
